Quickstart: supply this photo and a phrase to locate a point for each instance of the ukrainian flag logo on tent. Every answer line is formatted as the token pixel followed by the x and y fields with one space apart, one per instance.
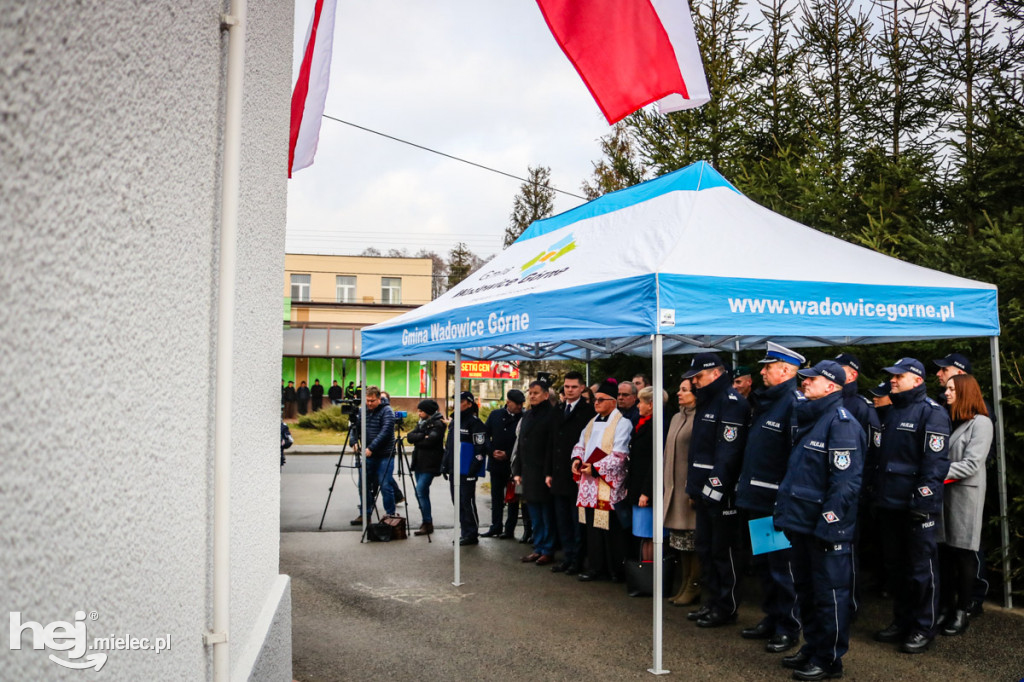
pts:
pixel 548 256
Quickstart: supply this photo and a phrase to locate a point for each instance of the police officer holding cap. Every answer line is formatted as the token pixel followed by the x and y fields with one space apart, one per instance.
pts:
pixel 817 508
pixel 910 466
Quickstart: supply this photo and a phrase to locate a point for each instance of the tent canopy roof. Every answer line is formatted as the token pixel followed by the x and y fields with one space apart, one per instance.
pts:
pixel 685 255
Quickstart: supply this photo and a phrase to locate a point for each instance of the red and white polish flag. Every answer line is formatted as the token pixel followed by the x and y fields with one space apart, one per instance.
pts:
pixel 631 52
pixel 310 94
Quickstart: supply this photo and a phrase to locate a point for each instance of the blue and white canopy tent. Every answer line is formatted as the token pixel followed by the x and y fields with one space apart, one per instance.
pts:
pixel 680 264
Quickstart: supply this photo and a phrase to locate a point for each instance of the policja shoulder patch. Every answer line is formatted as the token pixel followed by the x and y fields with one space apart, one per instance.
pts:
pixel 936 441
pixel 841 459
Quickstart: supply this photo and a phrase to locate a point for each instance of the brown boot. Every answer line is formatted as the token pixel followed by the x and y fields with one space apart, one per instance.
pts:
pixel 691 595
pixel 426 529
pixel 684 578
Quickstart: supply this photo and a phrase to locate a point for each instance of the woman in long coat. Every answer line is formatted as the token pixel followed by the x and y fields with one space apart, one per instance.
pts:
pixel 680 517
pixel 964 498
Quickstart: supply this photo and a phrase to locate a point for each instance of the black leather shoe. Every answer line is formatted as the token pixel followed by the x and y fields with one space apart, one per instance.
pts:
pixel 464 542
pixel 892 634
pixel 762 630
pixel 779 643
pixel 976 609
pixel 716 619
pixel 573 570
pixel 796 661
pixel 917 643
pixel 560 568
pixel 589 577
pixel 816 672
pixel 526 539
pixel 506 536
pixel 698 614
pixel 956 624
pixel 489 534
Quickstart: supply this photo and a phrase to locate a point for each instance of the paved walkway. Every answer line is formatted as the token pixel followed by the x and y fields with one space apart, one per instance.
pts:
pixel 389 612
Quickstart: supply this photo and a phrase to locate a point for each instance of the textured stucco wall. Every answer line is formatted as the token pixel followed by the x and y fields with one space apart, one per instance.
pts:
pixel 111 117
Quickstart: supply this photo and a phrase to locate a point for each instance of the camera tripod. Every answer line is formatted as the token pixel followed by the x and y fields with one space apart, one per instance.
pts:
pixel 404 469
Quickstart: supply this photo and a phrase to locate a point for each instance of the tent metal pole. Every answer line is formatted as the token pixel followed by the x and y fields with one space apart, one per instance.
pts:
pixel 366 512
pixel 658 462
pixel 997 404
pixel 456 439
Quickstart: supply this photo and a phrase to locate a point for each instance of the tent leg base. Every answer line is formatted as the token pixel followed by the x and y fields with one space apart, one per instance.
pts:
pixel 655 671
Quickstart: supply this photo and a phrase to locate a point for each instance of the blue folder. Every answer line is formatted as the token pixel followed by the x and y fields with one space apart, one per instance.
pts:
pixel 467 457
pixel 764 538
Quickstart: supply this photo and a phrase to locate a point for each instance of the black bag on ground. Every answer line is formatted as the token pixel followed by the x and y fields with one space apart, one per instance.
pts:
pixel 379 532
pixel 640 572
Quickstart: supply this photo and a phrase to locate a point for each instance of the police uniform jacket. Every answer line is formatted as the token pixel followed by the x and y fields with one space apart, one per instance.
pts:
pixel 769 443
pixel 862 409
pixel 716 445
pixel 912 459
pixel 567 432
pixel 820 492
pixel 501 432
pixel 533 451
pixel 472 431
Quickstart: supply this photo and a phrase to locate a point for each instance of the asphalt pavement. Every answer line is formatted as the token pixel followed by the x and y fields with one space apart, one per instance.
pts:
pixel 389 611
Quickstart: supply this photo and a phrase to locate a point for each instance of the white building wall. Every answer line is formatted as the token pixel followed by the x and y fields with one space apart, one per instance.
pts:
pixel 111 122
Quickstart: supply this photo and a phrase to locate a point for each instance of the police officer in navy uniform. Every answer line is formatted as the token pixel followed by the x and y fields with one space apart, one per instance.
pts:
pixel 472 431
pixel 817 508
pixel 863 410
pixel 765 457
pixel 716 454
pixel 911 464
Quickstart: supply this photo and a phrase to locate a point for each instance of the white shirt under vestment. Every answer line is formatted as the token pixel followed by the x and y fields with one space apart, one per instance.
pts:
pixel 611 468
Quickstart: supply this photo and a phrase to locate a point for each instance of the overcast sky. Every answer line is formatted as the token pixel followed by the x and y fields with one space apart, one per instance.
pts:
pixel 482 80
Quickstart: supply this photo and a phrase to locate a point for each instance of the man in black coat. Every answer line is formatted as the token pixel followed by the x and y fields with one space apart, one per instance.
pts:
pixel 533 450
pixel 289 400
pixel 334 393
pixel 318 395
pixel 302 397
pixel 501 430
pixel 573 416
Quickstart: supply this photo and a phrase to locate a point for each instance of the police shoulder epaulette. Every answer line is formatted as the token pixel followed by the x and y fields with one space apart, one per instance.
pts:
pixel 867 400
pixel 799 396
pixel 843 414
pixel 932 403
pixel 733 396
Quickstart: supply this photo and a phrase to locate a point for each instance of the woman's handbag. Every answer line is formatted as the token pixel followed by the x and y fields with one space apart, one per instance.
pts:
pixel 640 572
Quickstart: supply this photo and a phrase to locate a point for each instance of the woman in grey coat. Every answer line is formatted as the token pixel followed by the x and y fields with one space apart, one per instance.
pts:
pixel 964 498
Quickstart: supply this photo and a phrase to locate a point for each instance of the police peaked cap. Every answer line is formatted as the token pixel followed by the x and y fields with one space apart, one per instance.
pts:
pixel 779 353
pixel 701 362
pixel 830 369
pixel 904 365
pixel 955 360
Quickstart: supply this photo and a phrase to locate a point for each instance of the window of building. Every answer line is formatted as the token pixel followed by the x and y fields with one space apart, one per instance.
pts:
pixel 346 287
pixel 300 287
pixel 391 290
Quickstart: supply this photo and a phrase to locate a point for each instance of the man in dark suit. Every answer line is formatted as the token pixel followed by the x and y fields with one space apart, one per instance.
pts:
pixel 573 416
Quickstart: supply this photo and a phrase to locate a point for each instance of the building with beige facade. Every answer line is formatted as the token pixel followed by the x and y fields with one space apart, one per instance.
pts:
pixel 329 299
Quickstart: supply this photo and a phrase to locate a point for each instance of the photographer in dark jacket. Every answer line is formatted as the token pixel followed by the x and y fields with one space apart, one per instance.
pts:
pixel 472 434
pixel 427 439
pixel 379 449
pixel 501 431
